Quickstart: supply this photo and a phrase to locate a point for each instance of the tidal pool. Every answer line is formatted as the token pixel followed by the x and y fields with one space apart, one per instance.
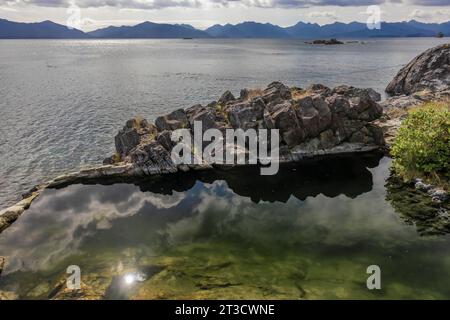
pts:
pixel 309 232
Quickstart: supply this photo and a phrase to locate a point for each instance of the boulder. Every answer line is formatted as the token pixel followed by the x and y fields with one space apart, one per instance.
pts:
pixel 428 71
pixel 275 93
pixel 152 158
pixel 284 118
pixel 314 113
pixel 173 121
pixel 165 139
pixel 350 91
pixel 247 115
pixel 226 97
pixel 206 115
pixel 132 133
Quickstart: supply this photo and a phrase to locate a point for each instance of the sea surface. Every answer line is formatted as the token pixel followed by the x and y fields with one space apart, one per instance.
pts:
pixel 62 102
pixel 310 232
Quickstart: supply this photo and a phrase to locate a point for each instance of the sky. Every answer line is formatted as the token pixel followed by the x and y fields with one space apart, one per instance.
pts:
pixel 93 14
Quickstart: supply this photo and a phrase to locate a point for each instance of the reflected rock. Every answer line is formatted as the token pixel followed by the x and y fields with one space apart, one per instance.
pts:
pixel 344 175
pixel 417 208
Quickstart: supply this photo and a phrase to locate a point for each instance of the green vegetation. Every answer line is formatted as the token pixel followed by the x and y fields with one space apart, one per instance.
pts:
pixel 422 146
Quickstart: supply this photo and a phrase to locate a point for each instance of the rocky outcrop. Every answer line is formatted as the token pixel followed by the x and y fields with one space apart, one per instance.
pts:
pixel 430 71
pixel 426 78
pixel 311 122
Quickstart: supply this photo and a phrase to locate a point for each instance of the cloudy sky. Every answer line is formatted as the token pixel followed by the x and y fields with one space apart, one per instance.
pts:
pixel 203 13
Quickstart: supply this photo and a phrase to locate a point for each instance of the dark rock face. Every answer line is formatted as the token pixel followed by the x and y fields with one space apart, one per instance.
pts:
pixel 131 135
pixel 247 115
pixel 152 158
pixel 226 97
pixel 313 121
pixel 173 121
pixel 429 71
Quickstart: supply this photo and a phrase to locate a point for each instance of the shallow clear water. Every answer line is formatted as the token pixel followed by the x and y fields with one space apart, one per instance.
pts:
pixel 310 232
pixel 61 102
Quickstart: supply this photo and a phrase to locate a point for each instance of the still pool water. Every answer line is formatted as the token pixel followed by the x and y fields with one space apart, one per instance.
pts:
pixel 308 233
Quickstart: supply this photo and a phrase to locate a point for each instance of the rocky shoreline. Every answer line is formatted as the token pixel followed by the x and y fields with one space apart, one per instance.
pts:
pixel 314 122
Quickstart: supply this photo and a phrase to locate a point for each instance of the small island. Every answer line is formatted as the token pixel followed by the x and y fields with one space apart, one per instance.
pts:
pixel 332 41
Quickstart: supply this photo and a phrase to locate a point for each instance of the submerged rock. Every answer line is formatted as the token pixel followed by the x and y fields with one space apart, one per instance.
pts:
pixel 8 295
pixel 312 122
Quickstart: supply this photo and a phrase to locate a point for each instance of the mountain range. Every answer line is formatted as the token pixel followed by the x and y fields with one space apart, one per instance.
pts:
pixel 51 30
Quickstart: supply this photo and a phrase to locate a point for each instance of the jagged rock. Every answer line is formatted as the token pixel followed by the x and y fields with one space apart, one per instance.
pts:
pixel 402 102
pixel 275 93
pixel 350 91
pixel 226 97
pixel 130 136
pixel 315 121
pixel 314 113
pixel 164 139
pixel 152 158
pixel 244 94
pixel 206 115
pixel 174 120
pixel 247 115
pixel 428 71
pixel 284 118
pixel 319 88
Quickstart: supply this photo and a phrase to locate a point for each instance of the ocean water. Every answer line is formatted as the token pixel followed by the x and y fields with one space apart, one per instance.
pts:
pixel 309 232
pixel 62 102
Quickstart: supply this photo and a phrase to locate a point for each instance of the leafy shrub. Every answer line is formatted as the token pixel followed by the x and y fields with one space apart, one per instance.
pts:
pixel 422 146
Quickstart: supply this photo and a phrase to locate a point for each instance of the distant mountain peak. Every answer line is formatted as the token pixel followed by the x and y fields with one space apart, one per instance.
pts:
pixel 39 30
pixel 246 29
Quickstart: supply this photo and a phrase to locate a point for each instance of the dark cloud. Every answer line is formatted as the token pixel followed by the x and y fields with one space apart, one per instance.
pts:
pixel 431 2
pixel 160 4
pixel 131 4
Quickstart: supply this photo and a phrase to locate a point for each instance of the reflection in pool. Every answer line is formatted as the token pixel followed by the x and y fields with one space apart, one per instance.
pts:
pixel 308 233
